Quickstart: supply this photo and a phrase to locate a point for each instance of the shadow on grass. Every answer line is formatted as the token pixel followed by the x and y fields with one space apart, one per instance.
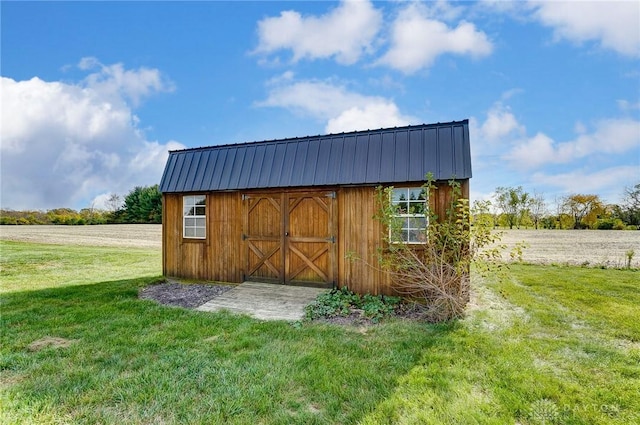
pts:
pixel 137 361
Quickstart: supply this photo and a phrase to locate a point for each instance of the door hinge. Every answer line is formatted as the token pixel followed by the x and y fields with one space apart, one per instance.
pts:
pixel 244 197
pixel 331 195
pixel 244 237
pixel 331 239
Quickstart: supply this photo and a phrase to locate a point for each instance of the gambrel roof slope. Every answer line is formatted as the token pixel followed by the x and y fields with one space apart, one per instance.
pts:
pixel 385 156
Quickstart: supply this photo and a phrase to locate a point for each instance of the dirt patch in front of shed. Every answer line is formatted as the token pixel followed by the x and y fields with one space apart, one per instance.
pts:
pixel 183 295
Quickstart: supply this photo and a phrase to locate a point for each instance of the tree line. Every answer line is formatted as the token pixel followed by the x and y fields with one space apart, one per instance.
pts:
pixel 510 207
pixel 514 207
pixel 143 204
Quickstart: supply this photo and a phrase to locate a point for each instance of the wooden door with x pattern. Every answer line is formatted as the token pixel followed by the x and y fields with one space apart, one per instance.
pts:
pixel 290 237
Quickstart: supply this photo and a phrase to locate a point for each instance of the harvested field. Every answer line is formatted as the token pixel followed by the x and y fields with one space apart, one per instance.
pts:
pixel 578 247
pixel 119 235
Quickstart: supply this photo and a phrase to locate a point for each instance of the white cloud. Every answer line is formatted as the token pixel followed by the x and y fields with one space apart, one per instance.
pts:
pixel 372 116
pixel 607 182
pixel 533 152
pixel 500 124
pixel 320 99
pixel 491 137
pixel 330 101
pixel 65 143
pixel 417 39
pixel 115 81
pixel 614 25
pixel 611 136
pixel 346 32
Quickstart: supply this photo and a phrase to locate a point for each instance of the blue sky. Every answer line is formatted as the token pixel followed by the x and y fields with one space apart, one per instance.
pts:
pixel 95 93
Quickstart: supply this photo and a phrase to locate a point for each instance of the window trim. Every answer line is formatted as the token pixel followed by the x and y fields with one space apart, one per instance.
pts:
pixel 406 231
pixel 195 205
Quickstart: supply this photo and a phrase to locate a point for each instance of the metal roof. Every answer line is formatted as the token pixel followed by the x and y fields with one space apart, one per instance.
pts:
pixel 385 156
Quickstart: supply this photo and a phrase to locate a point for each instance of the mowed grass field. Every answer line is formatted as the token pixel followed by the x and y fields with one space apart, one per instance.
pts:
pixel 549 344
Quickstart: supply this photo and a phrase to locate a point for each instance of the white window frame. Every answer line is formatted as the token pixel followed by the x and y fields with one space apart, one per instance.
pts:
pixel 194 217
pixel 415 201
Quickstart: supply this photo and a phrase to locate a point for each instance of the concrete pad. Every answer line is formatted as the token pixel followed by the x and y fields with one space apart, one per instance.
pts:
pixel 265 301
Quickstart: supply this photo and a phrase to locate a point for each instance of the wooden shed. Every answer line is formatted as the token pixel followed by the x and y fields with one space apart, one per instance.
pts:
pixel 292 211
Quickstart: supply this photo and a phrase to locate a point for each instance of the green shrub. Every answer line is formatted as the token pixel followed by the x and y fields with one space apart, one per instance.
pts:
pixel 605 224
pixel 8 220
pixel 343 302
pixel 610 224
pixel 378 307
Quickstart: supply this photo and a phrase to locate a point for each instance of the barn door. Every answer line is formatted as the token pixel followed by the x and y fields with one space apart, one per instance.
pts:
pixel 263 237
pixel 290 237
pixel 310 238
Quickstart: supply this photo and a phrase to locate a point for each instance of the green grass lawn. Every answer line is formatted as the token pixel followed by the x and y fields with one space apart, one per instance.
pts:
pixel 549 345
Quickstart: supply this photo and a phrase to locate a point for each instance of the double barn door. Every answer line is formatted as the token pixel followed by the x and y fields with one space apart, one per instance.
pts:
pixel 290 238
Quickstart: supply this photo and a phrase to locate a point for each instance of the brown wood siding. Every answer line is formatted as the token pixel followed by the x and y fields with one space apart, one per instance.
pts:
pixel 225 236
pixel 360 236
pixel 171 234
pixel 223 256
pixel 216 258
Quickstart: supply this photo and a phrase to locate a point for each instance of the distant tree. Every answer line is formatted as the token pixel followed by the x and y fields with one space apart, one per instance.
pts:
pixel 63 216
pixel 481 213
pixel 630 207
pixel 114 202
pixel 143 205
pixel 525 219
pixel 513 202
pixel 584 209
pixel 537 208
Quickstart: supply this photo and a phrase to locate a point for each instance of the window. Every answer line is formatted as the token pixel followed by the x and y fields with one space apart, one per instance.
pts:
pixel 195 217
pixel 410 212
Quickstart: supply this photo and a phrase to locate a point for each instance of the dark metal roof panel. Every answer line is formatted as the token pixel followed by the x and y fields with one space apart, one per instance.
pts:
pixel 238 163
pixel 445 150
pixel 192 168
pixel 361 152
pixel 385 156
pixel 247 166
pixel 264 173
pixel 183 167
pixel 324 152
pixel 374 157
pixel 401 158
pixel 299 161
pixel 386 172
pixel 288 163
pixel 216 173
pixel 347 160
pixel 168 170
pixel 309 172
pixel 258 160
pixel 201 172
pixel 430 153
pixel 333 170
pixel 416 157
